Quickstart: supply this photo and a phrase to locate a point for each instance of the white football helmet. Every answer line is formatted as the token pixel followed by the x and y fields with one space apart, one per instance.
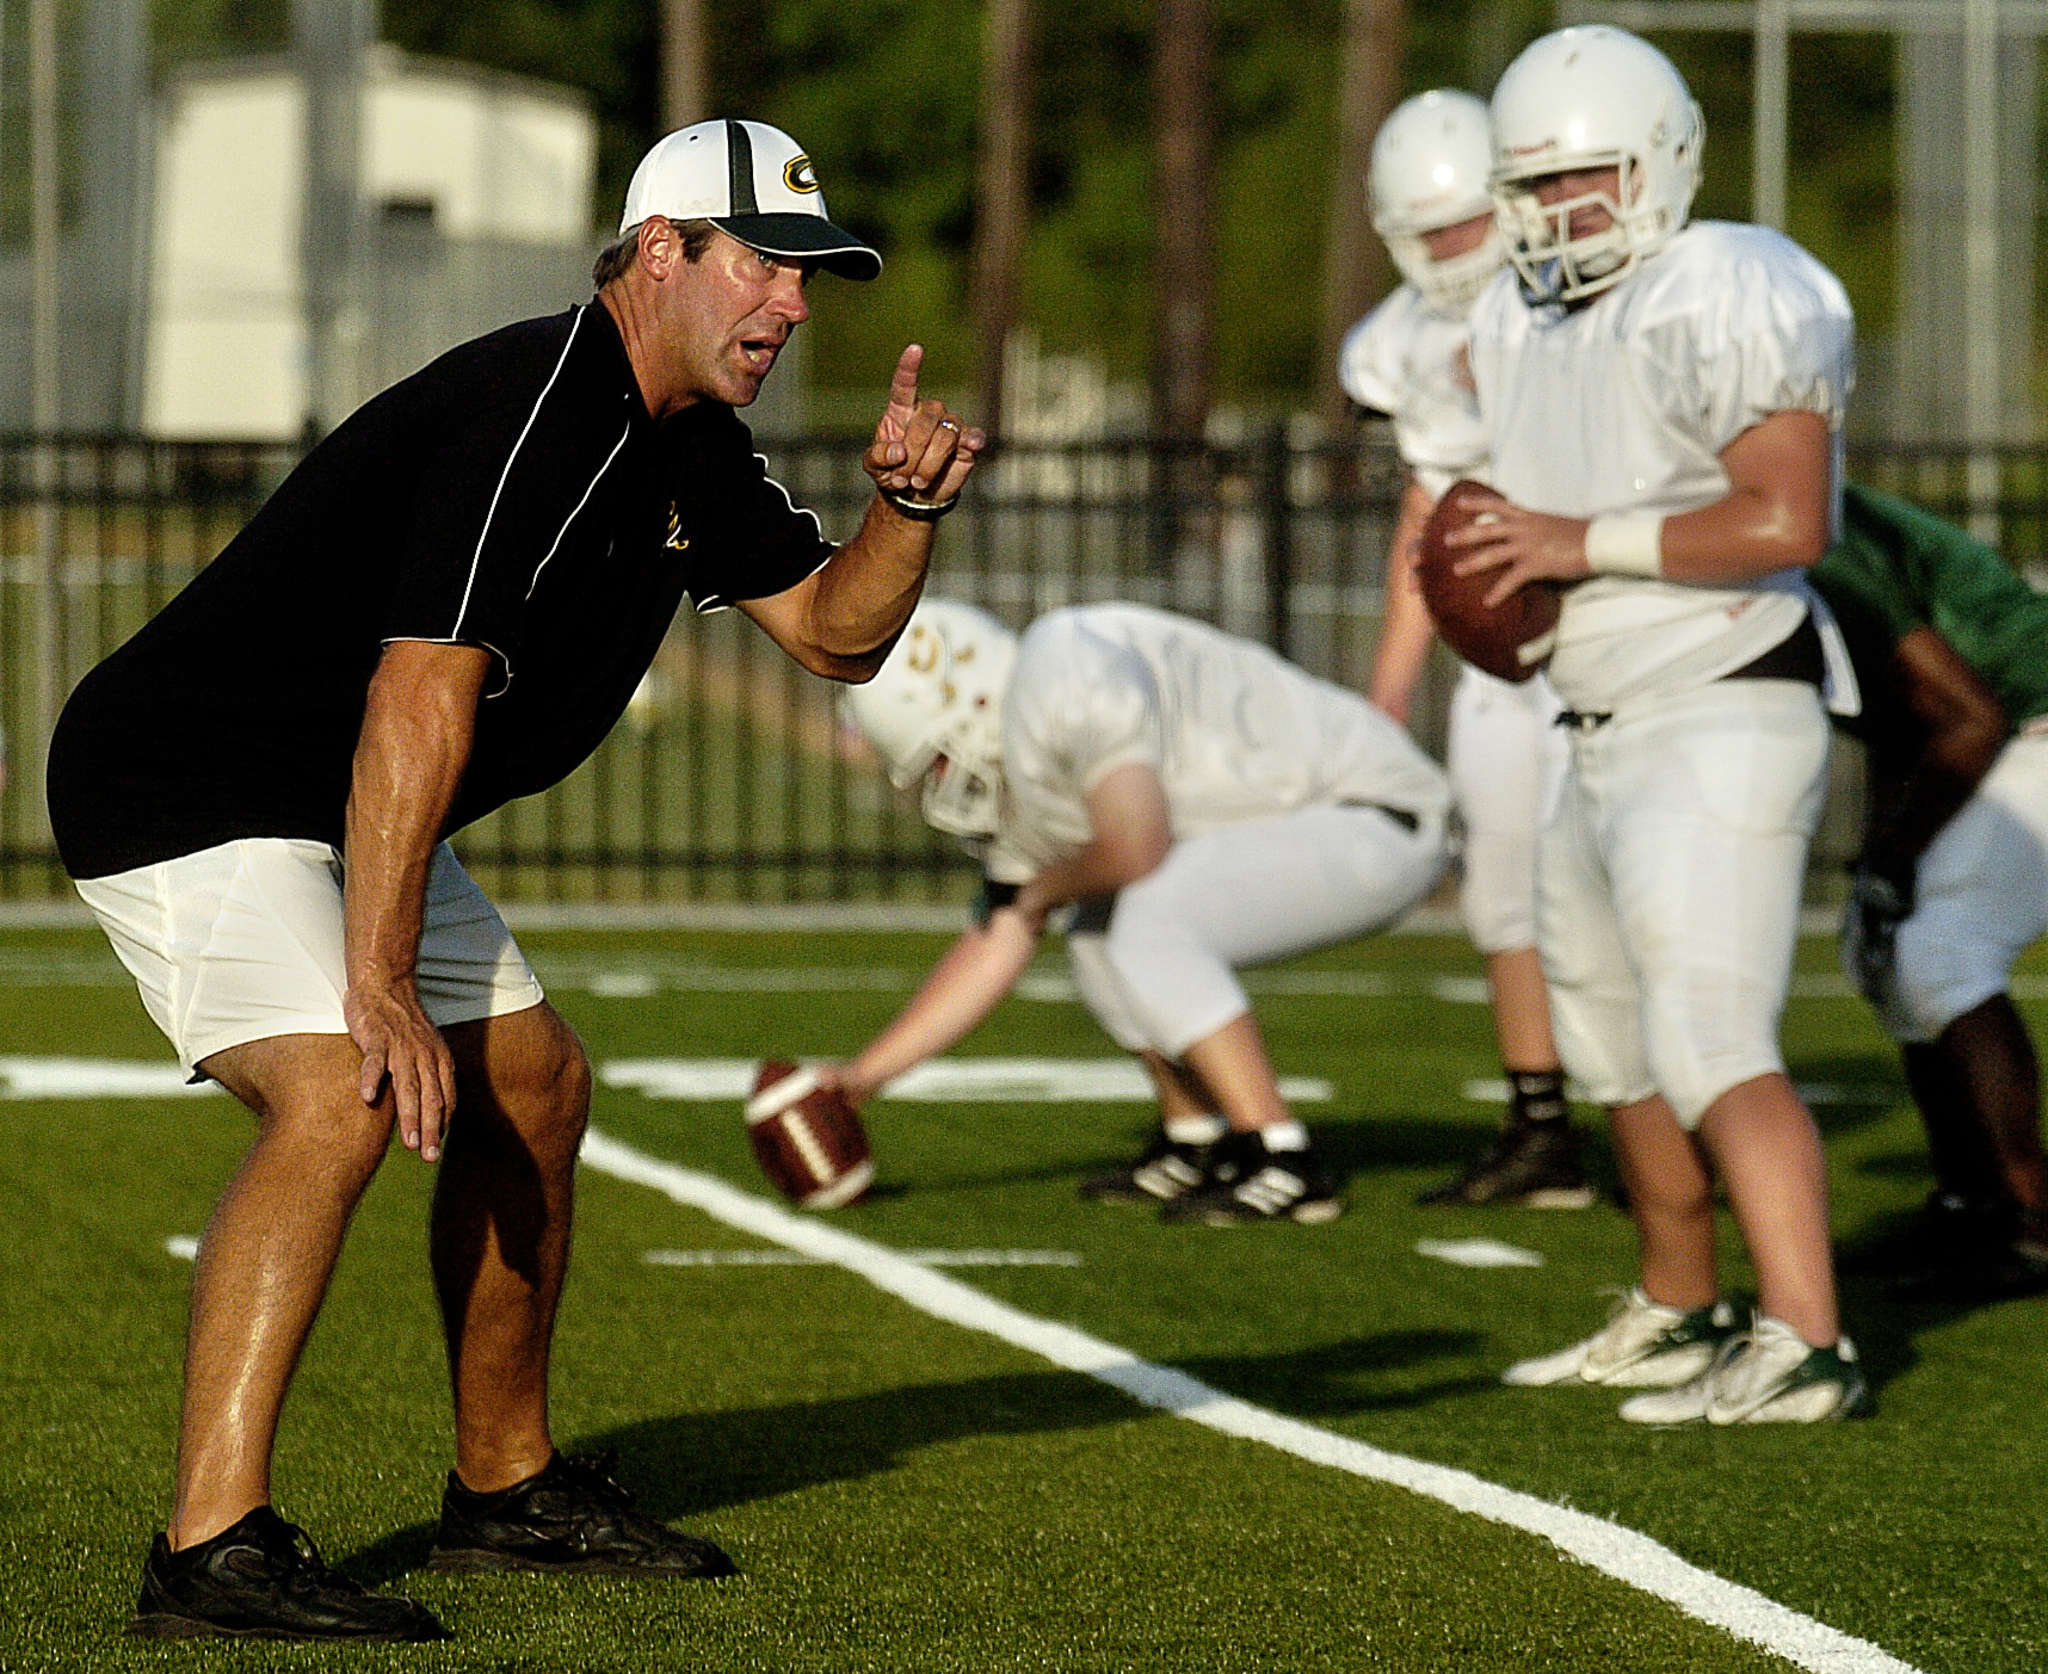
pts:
pixel 934 713
pixel 1431 161
pixel 1592 97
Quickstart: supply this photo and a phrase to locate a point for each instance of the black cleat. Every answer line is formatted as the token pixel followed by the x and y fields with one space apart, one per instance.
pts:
pixel 1247 1183
pixel 1975 1250
pixel 570 1519
pixel 263 1579
pixel 1531 1165
pixel 1168 1170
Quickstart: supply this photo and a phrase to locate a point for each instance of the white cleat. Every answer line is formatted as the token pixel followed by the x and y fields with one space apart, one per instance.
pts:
pixel 1643 1345
pixel 1766 1375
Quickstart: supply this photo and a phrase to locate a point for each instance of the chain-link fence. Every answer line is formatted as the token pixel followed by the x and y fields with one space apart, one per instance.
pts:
pixel 730 778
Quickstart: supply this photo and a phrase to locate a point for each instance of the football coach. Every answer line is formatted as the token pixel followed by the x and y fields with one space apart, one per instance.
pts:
pixel 446 606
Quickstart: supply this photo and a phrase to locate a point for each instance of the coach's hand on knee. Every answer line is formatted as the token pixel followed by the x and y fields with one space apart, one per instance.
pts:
pixel 400 1045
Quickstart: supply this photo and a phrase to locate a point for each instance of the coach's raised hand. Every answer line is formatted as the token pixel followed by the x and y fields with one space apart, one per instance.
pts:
pixel 922 454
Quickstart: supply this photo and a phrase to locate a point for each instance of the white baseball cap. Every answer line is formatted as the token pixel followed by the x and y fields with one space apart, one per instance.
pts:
pixel 749 180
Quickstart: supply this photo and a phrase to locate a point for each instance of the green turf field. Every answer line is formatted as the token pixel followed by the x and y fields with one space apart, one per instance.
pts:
pixel 905 1493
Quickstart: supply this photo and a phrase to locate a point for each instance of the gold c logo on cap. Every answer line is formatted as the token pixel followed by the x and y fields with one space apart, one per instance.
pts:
pixel 797 175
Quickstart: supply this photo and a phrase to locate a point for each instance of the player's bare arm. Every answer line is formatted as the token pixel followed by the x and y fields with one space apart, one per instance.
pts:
pixel 1405 627
pixel 1773 517
pixel 1923 778
pixel 1132 830
pixel 418 725
pixel 967 983
pixel 840 621
pixel 1133 833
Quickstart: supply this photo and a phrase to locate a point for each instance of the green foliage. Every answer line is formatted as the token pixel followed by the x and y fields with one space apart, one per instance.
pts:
pixel 884 94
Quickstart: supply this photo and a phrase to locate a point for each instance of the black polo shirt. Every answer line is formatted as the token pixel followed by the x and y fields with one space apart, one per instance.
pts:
pixel 513 495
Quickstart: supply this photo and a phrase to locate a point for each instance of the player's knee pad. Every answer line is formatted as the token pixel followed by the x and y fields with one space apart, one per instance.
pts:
pixel 1102 991
pixel 1937 978
pixel 1694 1060
pixel 1179 989
pixel 1600 1044
pixel 1497 898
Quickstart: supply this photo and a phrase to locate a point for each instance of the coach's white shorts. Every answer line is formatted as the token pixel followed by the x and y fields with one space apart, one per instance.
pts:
pixel 242 942
pixel 1506 758
pixel 1981 898
pixel 1160 976
pixel 1668 889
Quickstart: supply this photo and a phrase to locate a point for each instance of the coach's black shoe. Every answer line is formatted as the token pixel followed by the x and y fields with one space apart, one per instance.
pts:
pixel 1168 1170
pixel 1530 1165
pixel 263 1579
pixel 570 1519
pixel 1247 1182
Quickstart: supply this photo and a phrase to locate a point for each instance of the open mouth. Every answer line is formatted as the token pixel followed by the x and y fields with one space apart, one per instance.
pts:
pixel 760 352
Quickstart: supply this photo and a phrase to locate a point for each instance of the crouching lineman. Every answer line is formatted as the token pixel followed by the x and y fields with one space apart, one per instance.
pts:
pixel 1430 204
pixel 1951 651
pixel 1205 805
pixel 1664 405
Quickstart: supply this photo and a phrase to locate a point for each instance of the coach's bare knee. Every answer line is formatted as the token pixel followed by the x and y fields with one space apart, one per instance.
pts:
pixel 303 1092
pixel 530 1071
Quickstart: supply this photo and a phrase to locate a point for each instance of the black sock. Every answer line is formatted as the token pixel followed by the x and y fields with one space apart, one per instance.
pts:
pixel 1536 1096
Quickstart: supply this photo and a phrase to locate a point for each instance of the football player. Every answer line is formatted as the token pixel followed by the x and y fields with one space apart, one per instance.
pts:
pixel 1432 207
pixel 1664 404
pixel 1202 805
pixel 1951 652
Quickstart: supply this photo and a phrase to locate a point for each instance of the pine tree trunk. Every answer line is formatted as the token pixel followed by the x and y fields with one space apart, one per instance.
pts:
pixel 1003 187
pixel 1355 268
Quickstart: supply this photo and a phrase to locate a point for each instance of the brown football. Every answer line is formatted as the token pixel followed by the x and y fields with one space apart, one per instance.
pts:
pixel 1511 640
pixel 808 1140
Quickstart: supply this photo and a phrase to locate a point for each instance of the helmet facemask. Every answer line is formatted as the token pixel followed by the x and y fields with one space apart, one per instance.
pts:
pixel 1449 285
pixel 1430 165
pixel 1583 99
pixel 962 795
pixel 1554 265
pixel 933 713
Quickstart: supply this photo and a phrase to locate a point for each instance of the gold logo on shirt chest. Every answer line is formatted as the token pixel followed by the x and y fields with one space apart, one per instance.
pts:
pixel 677 541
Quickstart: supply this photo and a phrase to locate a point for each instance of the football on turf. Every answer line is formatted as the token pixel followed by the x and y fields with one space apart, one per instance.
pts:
pixel 807 1138
pixel 1510 640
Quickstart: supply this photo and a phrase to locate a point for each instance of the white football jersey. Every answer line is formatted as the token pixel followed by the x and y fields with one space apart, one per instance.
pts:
pixel 1235 732
pixel 1625 405
pixel 1408 361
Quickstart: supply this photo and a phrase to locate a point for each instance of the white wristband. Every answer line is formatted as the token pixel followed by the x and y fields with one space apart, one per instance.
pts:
pixel 1625 543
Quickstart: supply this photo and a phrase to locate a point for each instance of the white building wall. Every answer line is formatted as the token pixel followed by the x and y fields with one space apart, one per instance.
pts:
pixel 487 157
pixel 225 345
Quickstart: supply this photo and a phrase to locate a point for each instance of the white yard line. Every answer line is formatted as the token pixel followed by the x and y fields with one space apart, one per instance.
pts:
pixel 923 1258
pixel 642 974
pixel 1622 1553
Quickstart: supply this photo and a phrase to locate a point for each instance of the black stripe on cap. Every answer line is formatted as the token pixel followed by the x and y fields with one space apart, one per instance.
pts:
pixel 739 162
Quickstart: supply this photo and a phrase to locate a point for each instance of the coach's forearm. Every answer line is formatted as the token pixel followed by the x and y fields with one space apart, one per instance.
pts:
pixel 868 589
pixel 419 724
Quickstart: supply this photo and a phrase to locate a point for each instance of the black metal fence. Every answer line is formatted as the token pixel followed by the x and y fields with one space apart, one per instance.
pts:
pixel 730 778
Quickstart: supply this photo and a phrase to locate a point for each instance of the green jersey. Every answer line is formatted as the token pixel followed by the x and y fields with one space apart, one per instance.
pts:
pixel 1897 568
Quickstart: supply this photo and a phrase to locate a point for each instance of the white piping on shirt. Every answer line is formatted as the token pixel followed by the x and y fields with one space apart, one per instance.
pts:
pixel 624 435
pixel 504 661
pixel 786 500
pixel 477 558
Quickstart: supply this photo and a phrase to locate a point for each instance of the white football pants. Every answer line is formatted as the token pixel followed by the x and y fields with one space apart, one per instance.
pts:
pixel 1668 889
pixel 1507 762
pixel 1160 976
pixel 1981 898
